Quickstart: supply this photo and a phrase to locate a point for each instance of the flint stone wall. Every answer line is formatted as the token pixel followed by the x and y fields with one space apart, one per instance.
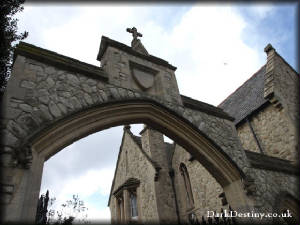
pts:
pixel 43 94
pixel 269 187
pixel 275 133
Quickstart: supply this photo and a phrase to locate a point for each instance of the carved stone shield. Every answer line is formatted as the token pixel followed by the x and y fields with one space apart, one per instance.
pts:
pixel 144 79
pixel 144 76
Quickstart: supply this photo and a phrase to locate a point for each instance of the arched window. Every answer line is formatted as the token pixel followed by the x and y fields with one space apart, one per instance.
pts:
pixel 187 185
pixel 133 206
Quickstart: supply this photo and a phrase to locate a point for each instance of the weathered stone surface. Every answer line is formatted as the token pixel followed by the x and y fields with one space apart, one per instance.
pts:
pixel 9 139
pixel 40 76
pixel 14 113
pixel 91 82
pixel 44 99
pixel 65 94
pixel 122 92
pixel 88 99
pixel 27 84
pixel 205 188
pixel 47 94
pixel 25 107
pixel 36 67
pixel 46 112
pixel 76 104
pixel 50 70
pixel 62 108
pixel 274 132
pixel 73 79
pixel 114 93
pixel 123 67
pixel 16 129
pixel 50 82
pixel 103 95
pixel 86 88
pixel 55 111
pixel 269 186
pixel 27 122
pixel 66 102
pixel 221 131
pixel 133 164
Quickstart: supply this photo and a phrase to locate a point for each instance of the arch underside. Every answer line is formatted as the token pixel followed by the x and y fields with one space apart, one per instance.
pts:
pixel 74 127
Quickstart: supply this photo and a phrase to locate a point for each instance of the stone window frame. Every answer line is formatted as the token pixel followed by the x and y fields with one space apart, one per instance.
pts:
pixel 120 207
pixel 123 212
pixel 189 200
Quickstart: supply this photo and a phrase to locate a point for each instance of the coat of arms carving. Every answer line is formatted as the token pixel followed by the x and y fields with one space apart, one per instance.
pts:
pixel 144 76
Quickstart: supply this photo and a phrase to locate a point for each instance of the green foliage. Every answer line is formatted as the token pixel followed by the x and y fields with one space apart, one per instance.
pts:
pixel 8 37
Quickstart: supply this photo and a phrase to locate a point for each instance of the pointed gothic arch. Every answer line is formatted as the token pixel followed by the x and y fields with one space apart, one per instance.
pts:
pixel 38 123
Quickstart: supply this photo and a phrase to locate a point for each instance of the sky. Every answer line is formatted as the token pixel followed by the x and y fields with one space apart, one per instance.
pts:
pixel 215 47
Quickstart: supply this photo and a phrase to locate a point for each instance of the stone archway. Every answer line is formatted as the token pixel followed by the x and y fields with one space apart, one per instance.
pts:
pixel 66 131
pixel 52 101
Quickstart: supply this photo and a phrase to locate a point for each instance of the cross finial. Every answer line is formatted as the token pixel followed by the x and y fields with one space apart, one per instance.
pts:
pixel 136 43
pixel 135 33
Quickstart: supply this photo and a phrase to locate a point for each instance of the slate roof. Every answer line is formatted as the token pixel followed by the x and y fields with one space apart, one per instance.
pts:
pixel 247 98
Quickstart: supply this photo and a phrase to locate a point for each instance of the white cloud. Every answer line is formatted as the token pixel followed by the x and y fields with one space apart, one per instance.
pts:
pixel 93 181
pixel 100 215
pixel 207 47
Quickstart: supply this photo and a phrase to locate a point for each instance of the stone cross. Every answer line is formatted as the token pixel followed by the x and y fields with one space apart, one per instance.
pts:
pixel 134 32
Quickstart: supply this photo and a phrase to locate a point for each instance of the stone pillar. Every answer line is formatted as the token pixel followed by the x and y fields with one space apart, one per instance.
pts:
pixel 117 218
pixel 241 203
pixel 269 77
pixel 126 197
pixel 26 187
pixel 138 196
pixel 281 88
pixel 154 145
pixel 122 218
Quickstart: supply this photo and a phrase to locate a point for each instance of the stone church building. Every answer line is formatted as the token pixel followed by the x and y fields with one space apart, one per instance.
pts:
pixel 160 182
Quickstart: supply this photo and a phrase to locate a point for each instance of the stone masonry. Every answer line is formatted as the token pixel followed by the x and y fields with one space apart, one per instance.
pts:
pixel 266 188
pixel 273 128
pixel 53 100
pixel 205 188
pixel 132 163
